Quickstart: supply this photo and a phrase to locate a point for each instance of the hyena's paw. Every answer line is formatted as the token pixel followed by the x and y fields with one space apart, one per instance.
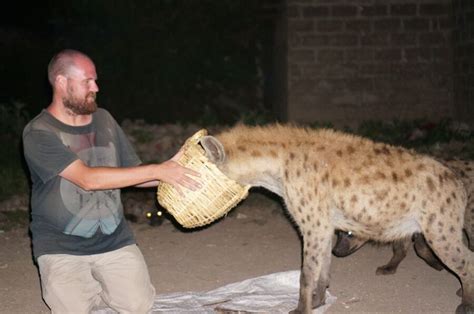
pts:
pixel 386 270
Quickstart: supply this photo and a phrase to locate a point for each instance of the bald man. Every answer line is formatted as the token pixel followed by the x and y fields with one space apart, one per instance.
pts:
pixel 79 158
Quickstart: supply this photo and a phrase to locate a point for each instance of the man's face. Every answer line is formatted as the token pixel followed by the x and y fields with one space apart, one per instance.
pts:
pixel 81 89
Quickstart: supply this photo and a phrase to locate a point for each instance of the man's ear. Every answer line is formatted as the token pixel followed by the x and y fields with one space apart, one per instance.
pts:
pixel 214 149
pixel 60 81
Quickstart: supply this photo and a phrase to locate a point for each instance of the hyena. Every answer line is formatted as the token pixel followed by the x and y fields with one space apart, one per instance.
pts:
pixel 347 242
pixel 331 180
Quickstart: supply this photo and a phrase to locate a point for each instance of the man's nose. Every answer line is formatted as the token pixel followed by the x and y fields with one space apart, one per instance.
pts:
pixel 94 87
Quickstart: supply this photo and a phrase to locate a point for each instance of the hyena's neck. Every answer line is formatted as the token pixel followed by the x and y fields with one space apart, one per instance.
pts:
pixel 262 171
pixel 269 181
pixel 255 163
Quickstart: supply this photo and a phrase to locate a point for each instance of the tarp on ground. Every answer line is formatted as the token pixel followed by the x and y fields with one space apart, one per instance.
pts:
pixel 274 293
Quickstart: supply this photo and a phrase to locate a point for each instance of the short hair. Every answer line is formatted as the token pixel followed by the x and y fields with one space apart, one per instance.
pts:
pixel 62 62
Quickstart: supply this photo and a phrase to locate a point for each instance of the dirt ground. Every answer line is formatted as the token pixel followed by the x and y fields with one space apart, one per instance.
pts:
pixel 255 239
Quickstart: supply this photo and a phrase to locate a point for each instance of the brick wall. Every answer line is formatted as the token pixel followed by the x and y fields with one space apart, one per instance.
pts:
pixel 354 60
pixel 464 59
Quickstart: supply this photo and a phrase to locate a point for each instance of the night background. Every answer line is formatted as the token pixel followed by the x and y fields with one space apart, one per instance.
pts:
pixel 395 71
pixel 164 61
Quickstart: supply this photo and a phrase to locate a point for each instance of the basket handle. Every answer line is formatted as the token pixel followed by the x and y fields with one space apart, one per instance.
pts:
pixel 194 140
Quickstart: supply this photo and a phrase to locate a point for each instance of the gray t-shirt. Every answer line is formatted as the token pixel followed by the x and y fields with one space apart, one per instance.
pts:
pixel 66 219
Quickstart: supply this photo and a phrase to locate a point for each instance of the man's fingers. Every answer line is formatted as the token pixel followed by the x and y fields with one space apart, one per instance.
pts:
pixel 190 183
pixel 187 183
pixel 178 189
pixel 192 172
pixel 181 175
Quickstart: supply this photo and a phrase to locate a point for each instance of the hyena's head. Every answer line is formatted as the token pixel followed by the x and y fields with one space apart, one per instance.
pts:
pixel 236 159
pixel 216 153
pixel 347 244
pixel 250 155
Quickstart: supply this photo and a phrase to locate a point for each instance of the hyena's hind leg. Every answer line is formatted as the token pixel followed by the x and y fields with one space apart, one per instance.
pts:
pixel 446 240
pixel 423 250
pixel 400 249
pixel 469 222
pixel 465 171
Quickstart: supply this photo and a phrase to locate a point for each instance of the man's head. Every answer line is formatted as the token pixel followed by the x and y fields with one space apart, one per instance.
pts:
pixel 73 77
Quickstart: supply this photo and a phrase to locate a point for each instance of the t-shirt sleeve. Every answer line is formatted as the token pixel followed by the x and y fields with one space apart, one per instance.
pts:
pixel 45 154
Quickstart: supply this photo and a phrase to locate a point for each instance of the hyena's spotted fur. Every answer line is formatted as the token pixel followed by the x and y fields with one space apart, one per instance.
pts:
pixel 465 170
pixel 348 243
pixel 330 180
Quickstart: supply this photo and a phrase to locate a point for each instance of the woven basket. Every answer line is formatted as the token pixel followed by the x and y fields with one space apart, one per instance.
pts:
pixel 218 194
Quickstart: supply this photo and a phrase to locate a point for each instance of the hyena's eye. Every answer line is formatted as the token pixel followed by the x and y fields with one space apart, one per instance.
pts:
pixel 150 213
pixel 349 234
pixel 155 217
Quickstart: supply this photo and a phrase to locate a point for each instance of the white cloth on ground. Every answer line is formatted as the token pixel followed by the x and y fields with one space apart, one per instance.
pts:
pixel 274 293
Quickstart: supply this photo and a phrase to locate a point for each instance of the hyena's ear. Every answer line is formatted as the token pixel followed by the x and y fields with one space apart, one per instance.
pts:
pixel 214 149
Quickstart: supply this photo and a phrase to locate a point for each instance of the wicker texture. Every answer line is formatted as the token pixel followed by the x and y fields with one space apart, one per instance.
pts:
pixel 218 195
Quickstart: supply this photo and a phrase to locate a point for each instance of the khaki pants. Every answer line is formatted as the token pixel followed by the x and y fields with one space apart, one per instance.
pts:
pixel 77 284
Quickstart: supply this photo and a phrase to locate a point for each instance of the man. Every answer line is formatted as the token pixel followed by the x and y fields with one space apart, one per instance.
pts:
pixel 79 158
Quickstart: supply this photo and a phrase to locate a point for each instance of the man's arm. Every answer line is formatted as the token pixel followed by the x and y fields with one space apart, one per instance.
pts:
pixel 105 178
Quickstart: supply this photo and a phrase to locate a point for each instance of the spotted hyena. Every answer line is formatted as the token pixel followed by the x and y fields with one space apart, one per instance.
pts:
pixel 331 180
pixel 347 242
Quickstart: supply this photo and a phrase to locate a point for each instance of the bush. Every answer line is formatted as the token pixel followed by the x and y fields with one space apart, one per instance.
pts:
pixel 13 118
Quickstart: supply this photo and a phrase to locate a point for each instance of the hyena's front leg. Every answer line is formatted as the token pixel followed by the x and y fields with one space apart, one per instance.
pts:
pixel 319 292
pixel 314 279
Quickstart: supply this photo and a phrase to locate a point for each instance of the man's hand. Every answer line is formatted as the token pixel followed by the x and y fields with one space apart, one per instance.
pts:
pixel 178 176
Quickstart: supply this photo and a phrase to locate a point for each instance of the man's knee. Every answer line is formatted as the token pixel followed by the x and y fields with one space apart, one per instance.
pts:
pixel 134 302
pixel 59 301
pixel 67 287
pixel 143 305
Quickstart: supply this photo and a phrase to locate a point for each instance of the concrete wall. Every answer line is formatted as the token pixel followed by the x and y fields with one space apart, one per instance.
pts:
pixel 355 60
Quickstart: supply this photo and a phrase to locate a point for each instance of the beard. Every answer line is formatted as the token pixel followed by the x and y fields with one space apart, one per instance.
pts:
pixel 84 106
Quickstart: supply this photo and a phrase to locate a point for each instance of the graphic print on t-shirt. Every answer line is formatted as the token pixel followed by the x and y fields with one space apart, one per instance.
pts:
pixel 91 209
